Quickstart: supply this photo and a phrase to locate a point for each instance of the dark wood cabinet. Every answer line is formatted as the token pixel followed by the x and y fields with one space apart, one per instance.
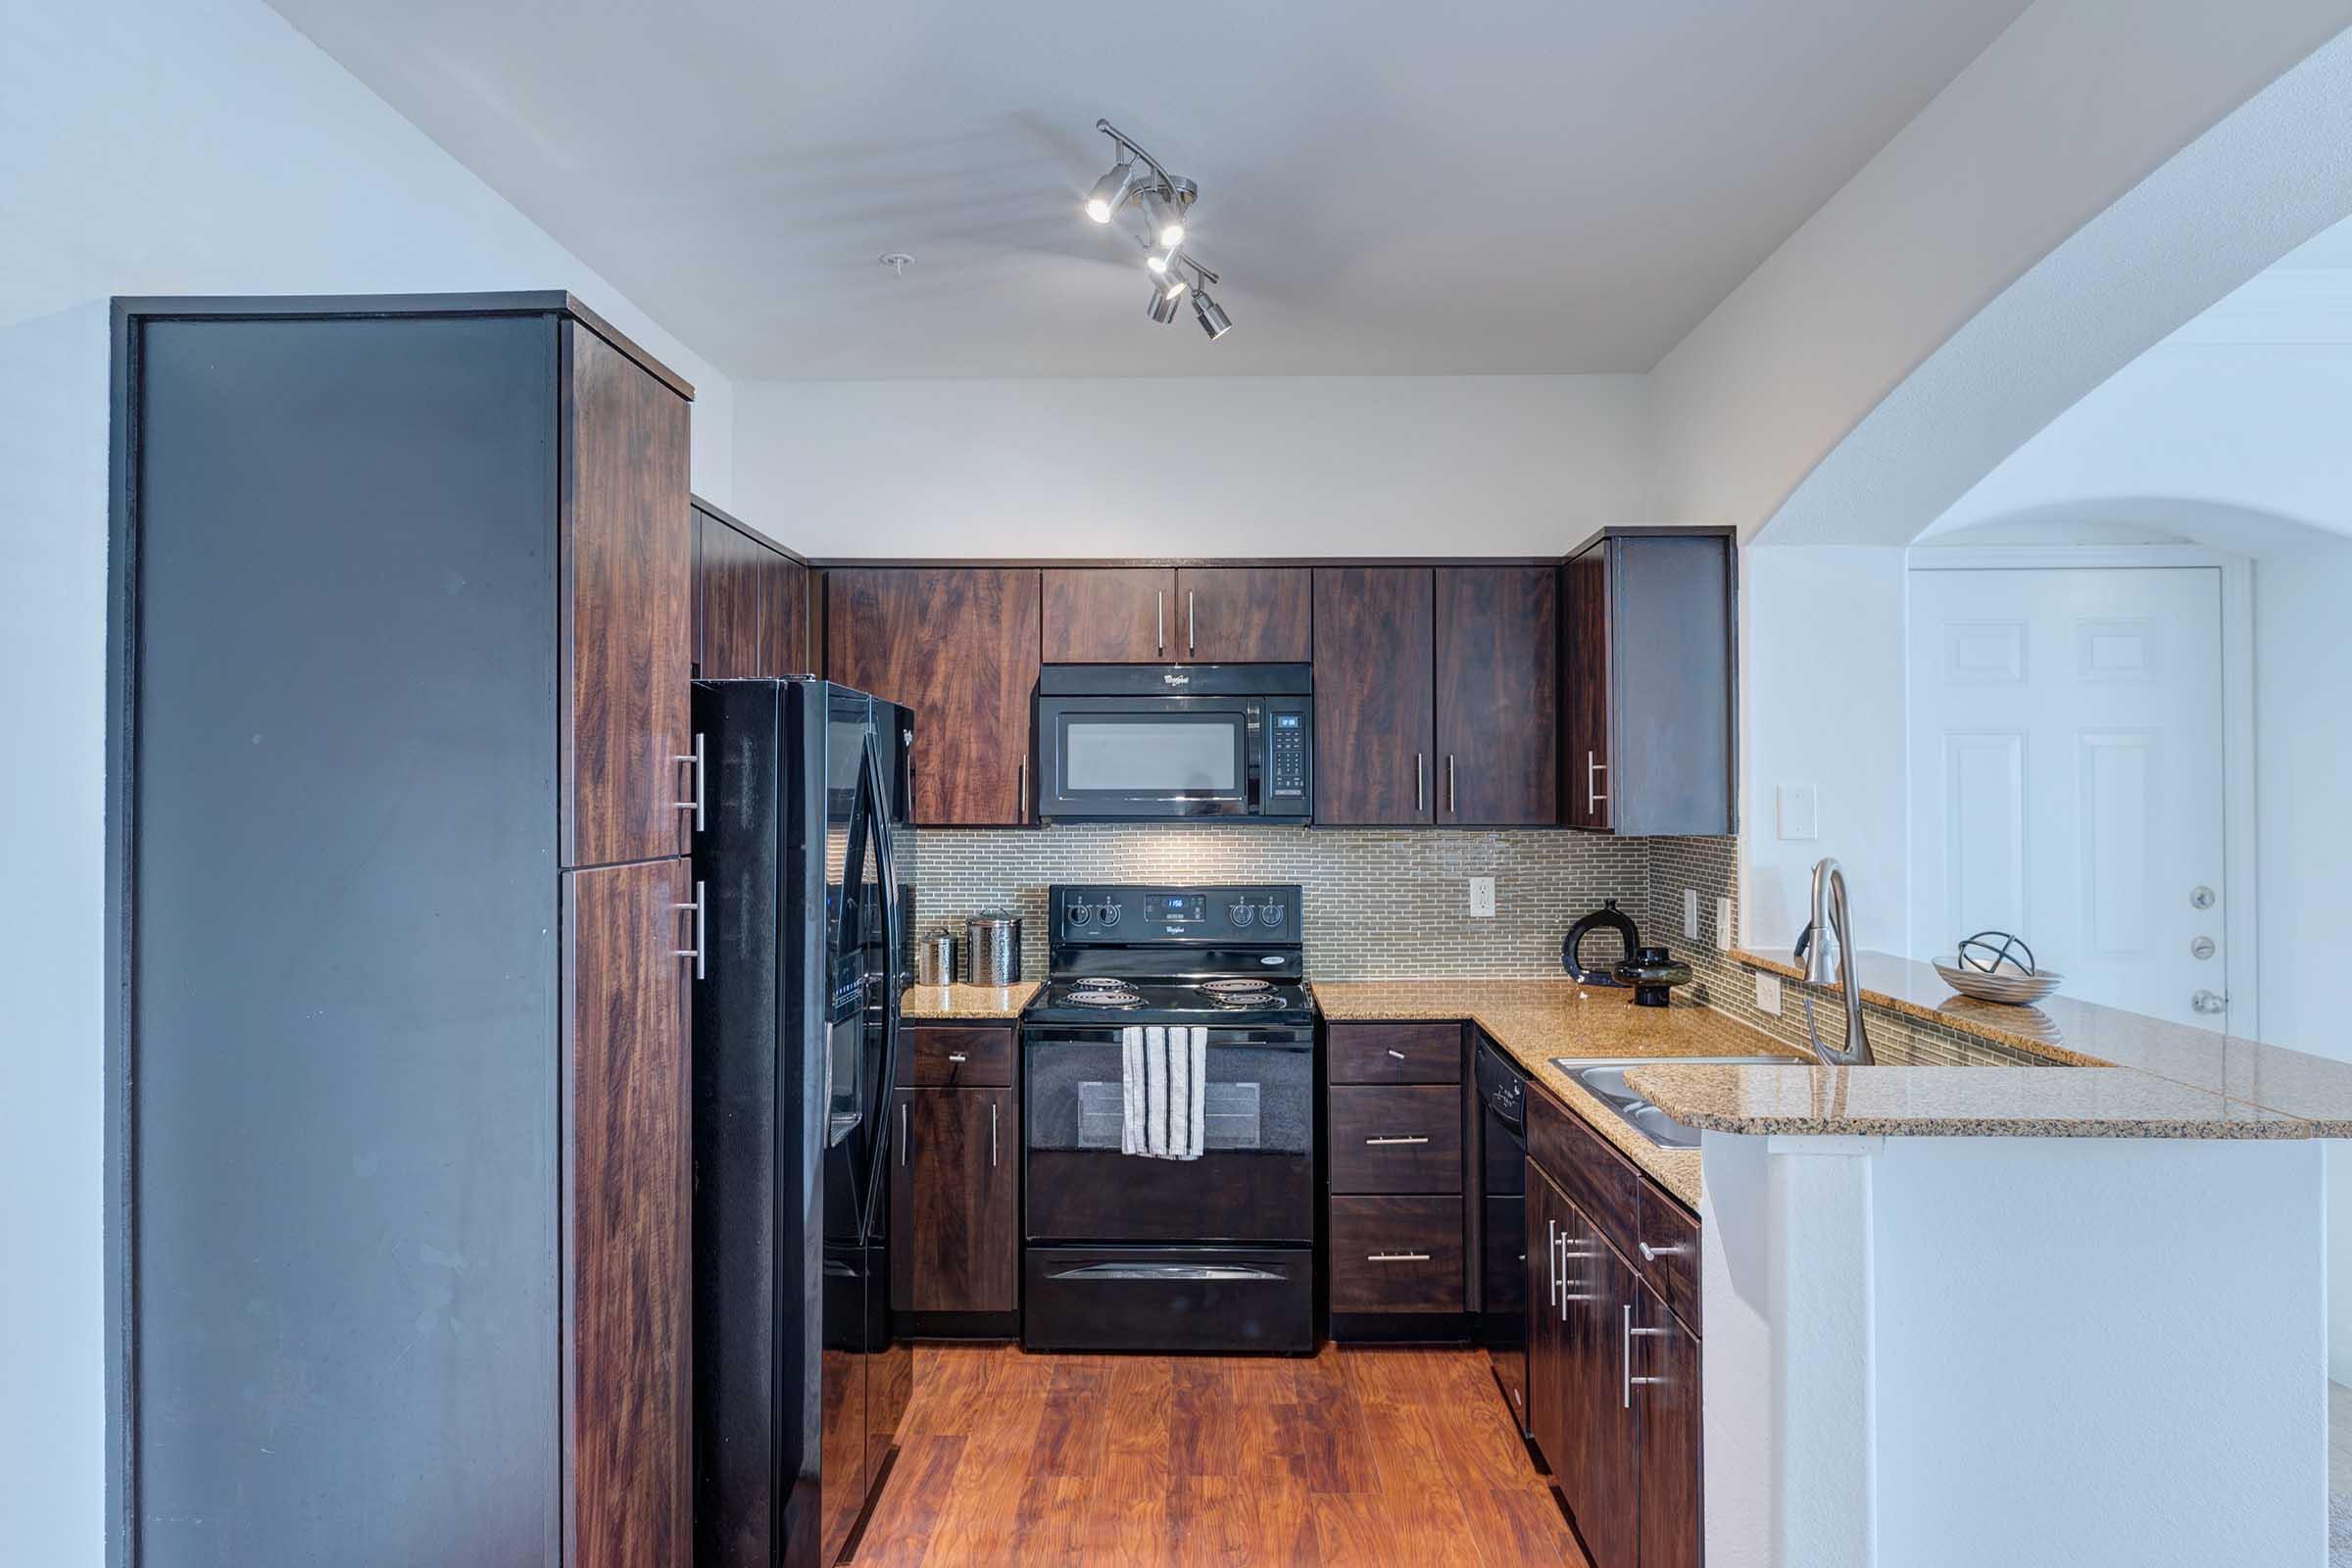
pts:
pixel 626 1379
pixel 1400 1234
pixel 1672 1526
pixel 1649 715
pixel 731 581
pixel 955 1197
pixel 958 646
pixel 1374 646
pixel 1497 695
pixel 1548 1398
pixel 1108 615
pixel 1243 614
pixel 628 568
pixel 784 601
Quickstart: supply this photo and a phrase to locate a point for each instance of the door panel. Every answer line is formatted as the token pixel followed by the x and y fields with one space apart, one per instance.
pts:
pixel 1374 688
pixel 1666 1411
pixel 627 1242
pixel 628 558
pixel 733 580
pixel 1600 1473
pixel 958 646
pixel 1588 674
pixel 958 1169
pixel 1549 1409
pixel 1244 614
pixel 784 601
pixel 1497 695
pixel 2067 776
pixel 1110 615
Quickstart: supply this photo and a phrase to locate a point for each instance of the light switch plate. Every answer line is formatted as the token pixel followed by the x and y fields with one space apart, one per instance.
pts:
pixel 1768 993
pixel 1723 924
pixel 1482 896
pixel 1800 812
pixel 1691 914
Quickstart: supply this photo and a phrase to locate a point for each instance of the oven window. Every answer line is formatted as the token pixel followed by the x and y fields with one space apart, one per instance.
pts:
pixel 1149 754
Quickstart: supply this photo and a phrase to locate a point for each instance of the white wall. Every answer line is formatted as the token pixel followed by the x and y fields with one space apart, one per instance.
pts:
pixel 1283 466
pixel 154 146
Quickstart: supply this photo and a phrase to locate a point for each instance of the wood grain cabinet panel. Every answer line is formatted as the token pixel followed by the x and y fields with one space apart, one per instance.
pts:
pixel 1373 648
pixel 1396 1139
pixel 959 1056
pixel 731 579
pixel 1498 698
pixel 1586 581
pixel 1244 614
pixel 958 646
pixel 1109 615
pixel 628 632
pixel 784 601
pixel 1393 1053
pixel 1671 1527
pixel 954 1201
pixel 1396 1255
pixel 626 1244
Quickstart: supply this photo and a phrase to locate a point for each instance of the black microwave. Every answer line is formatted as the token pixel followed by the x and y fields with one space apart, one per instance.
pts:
pixel 1171 743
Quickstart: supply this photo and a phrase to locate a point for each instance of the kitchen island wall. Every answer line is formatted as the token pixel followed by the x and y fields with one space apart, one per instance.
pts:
pixel 1378 902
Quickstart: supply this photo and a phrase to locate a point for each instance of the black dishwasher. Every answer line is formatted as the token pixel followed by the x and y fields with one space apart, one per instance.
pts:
pixel 1502 1197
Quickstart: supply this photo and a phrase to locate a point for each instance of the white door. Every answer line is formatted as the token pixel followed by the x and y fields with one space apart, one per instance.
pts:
pixel 2066 777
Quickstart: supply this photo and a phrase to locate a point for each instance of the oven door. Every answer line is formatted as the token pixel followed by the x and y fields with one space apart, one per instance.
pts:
pixel 1255 1181
pixel 1143 757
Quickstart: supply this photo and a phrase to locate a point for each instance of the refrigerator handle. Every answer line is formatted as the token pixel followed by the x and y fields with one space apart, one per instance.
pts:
pixel 886 867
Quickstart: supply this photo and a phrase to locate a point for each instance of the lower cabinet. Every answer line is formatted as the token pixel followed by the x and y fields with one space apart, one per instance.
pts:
pixel 1395 1226
pixel 955 1187
pixel 1613 1391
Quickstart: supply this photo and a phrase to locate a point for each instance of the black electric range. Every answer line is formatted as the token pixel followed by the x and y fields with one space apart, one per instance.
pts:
pixel 1129 1252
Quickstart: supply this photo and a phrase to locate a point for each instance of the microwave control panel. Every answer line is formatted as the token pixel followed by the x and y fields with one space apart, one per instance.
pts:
pixel 1288 764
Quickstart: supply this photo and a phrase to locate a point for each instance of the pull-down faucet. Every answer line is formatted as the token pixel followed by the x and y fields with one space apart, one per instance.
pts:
pixel 1832 920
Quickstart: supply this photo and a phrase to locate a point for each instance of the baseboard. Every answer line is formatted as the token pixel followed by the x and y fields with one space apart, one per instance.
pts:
pixel 957 1325
pixel 1401 1328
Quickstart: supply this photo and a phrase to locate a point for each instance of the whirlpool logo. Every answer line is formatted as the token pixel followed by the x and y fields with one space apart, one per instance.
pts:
pixel 1177 677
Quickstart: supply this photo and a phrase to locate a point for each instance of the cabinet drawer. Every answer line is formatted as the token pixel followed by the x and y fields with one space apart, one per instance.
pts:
pixel 1393 1053
pixel 1393 1139
pixel 1592 1173
pixel 1396 1255
pixel 1667 1252
pixel 960 1058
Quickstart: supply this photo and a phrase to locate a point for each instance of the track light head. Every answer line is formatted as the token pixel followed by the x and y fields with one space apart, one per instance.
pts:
pixel 1166 303
pixel 1111 190
pixel 1165 215
pixel 1213 320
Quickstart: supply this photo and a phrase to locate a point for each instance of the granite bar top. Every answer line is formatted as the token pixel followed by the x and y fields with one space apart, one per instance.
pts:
pixel 2316 1090
pixel 966 1003
pixel 1536 1020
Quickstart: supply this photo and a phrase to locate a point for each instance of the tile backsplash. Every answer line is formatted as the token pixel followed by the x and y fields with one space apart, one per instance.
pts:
pixel 1378 902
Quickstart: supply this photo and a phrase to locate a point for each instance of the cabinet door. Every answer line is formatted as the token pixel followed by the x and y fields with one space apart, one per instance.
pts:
pixel 1243 614
pixel 626 1247
pixel 958 646
pixel 1497 695
pixel 1547 1398
pixel 732 580
pixel 1602 1475
pixel 785 602
pixel 628 627
pixel 1666 1411
pixel 1373 647
pixel 1110 615
pixel 1589 652
pixel 961 1221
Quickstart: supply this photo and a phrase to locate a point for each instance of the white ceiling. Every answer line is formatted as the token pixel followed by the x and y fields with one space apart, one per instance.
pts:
pixel 1388 188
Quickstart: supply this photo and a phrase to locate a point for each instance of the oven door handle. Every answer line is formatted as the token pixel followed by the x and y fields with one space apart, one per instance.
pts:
pixel 1167 1271
pixel 1218 1038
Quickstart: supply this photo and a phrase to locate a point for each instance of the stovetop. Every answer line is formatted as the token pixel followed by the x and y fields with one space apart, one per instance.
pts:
pixel 1212 999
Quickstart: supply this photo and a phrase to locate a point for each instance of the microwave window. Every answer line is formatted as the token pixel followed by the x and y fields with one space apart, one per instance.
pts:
pixel 1148 755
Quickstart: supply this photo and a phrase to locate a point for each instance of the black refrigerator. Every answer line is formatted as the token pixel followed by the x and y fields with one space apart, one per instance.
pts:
pixel 799 1386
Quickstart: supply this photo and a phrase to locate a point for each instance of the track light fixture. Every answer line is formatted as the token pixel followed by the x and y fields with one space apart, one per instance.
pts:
pixel 1164 201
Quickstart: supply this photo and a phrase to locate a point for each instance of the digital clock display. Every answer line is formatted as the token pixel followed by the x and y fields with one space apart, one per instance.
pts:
pixel 1191 907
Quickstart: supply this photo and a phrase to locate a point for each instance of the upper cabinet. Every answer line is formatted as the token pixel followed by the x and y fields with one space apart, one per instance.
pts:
pixel 751 602
pixel 628 557
pixel 1165 614
pixel 1497 697
pixel 1374 651
pixel 959 647
pixel 1649 710
pixel 784 608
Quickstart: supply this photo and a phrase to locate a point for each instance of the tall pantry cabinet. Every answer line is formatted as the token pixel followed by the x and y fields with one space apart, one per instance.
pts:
pixel 400 781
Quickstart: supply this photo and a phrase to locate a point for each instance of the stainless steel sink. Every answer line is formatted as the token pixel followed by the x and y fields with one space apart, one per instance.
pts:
pixel 1604 1078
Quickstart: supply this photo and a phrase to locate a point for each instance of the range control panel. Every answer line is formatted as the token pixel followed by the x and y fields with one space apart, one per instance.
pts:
pixel 1251 913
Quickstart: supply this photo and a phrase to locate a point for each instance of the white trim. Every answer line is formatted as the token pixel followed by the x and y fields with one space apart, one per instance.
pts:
pixel 2240 890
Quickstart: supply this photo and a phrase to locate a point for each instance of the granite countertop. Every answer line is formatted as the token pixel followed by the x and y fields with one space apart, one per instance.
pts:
pixel 966 1003
pixel 1536 1020
pixel 2314 1091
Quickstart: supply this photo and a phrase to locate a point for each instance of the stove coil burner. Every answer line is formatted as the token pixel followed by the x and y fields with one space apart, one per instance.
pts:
pixel 1103 996
pixel 1236 988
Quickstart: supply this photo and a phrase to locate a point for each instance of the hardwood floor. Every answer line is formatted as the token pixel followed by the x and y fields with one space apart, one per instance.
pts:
pixel 1356 1456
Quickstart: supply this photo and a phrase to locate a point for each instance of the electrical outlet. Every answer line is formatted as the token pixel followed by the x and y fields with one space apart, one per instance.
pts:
pixel 1691 914
pixel 1768 993
pixel 1723 924
pixel 1482 896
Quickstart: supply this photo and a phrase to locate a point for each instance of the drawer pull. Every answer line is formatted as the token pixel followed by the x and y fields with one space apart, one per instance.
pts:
pixel 1650 1254
pixel 1395 1257
pixel 956 1055
pixel 1399 1055
pixel 1380 1142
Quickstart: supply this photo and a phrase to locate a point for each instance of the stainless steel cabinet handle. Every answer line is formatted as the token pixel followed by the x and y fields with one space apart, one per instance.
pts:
pixel 698 805
pixel 1627 1382
pixel 1192 624
pixel 1551 1267
pixel 901 1134
pixel 1399 1055
pixel 992 1136
pixel 1395 1257
pixel 1020 787
pixel 1451 809
pixel 958 1055
pixel 1161 637
pixel 1594 765
pixel 1415 1138
pixel 1420 801
pixel 700 908
pixel 1650 1254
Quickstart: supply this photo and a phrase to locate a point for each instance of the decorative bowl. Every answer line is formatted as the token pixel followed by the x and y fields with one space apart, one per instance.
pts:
pixel 2006 985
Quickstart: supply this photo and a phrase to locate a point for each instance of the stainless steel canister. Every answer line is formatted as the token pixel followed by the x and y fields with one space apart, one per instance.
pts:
pixel 991 948
pixel 935 959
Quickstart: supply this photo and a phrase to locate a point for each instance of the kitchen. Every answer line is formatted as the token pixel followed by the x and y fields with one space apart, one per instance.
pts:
pixel 654 1018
